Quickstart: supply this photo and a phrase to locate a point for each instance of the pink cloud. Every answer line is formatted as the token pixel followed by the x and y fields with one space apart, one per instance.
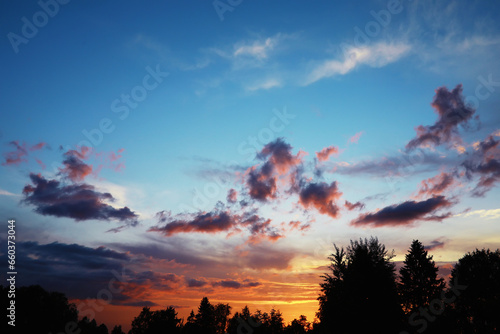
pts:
pixel 20 153
pixel 436 185
pixel 325 153
pixel 354 139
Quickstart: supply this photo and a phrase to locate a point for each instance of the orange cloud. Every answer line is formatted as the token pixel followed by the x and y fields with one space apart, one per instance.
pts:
pixel 436 185
pixel 325 153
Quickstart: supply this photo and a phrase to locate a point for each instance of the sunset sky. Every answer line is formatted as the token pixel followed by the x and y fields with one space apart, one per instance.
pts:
pixel 219 149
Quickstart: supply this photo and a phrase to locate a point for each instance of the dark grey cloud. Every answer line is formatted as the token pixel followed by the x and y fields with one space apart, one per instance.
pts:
pixel 484 163
pixel 352 206
pixel 406 213
pixel 232 284
pixel 195 283
pixel 452 111
pixel 321 196
pixel 214 222
pixel 278 161
pixel 76 201
pixel 435 244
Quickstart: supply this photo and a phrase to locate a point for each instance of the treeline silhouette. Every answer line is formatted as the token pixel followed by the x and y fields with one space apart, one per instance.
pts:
pixel 360 294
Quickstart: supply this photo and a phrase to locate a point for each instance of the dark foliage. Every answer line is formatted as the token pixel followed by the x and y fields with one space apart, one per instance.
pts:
pixel 477 278
pixel 419 282
pixel 359 296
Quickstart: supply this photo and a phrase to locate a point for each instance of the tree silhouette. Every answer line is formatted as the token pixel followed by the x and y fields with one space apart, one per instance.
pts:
pixel 222 312
pixel 117 330
pixel 190 327
pixel 298 326
pixel 39 311
pixel 419 283
pixel 205 318
pixel 360 295
pixel 273 323
pixel 243 322
pixel 476 281
pixel 156 322
pixel 87 326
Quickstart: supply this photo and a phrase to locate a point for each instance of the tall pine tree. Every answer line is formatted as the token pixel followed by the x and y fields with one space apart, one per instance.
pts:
pixel 419 283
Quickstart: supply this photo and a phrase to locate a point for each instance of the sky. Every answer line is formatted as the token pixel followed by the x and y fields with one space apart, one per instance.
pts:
pixel 155 154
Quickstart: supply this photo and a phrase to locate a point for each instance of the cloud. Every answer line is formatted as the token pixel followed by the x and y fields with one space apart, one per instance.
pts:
pixel 174 254
pixel 232 196
pixel 195 283
pixel 258 49
pixel 488 214
pixel 141 303
pixel 210 222
pixel 109 160
pixel 398 165
pixel 436 185
pixel 354 139
pixel 351 206
pixel 321 196
pixel 260 229
pixel 484 162
pixel 405 214
pixel 435 244
pixel 325 153
pixel 6 193
pixel 228 283
pixel 215 222
pixel 377 55
pixel 278 161
pixel 265 84
pixel 81 272
pixel 76 270
pixel 20 153
pixel 452 111
pixel 297 225
pixel 74 168
pixel 263 256
pixel 279 156
pixel 261 184
pixel 76 201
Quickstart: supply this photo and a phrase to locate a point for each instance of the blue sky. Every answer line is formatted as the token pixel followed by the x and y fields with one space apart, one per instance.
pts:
pixel 204 84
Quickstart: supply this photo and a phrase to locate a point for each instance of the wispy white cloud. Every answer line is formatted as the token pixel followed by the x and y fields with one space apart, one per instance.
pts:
pixel 265 84
pixel 488 214
pixel 258 49
pixel 377 55
pixel 6 193
pixel 477 41
pixel 247 54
